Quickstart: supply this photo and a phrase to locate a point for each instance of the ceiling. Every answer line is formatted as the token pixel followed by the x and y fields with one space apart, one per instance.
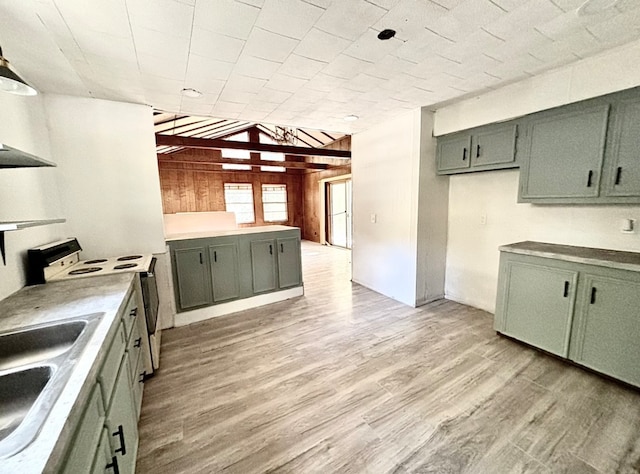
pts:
pixel 305 63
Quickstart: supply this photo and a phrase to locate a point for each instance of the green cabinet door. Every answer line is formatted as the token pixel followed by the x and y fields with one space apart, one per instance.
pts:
pixel 494 146
pixel 563 155
pixel 121 421
pixel 191 275
pixel 609 328
pixel 623 155
pixel 104 462
pixel 263 265
pixel 454 152
pixel 538 305
pixel 224 271
pixel 289 268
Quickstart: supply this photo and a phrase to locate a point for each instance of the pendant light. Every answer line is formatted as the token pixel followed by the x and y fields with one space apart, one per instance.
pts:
pixel 11 82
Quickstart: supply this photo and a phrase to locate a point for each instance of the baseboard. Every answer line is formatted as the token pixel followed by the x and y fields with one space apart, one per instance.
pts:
pixel 223 309
pixel 431 299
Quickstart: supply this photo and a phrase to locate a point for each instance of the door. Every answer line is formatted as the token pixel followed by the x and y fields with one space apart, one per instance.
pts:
pixel 289 269
pixel 191 273
pixel 263 265
pixel 454 153
pixel 539 305
pixel 563 154
pixel 493 146
pixel 340 213
pixel 224 271
pixel 624 159
pixel 609 328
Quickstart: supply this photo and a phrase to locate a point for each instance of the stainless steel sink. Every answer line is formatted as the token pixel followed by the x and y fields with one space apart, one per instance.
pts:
pixel 35 365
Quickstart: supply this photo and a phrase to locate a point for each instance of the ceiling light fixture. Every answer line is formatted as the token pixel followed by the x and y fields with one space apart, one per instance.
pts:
pixel 11 82
pixel 593 7
pixel 351 118
pixel 386 34
pixel 189 92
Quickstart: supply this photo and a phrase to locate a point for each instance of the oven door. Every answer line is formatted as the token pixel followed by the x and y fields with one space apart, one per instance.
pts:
pixel 150 296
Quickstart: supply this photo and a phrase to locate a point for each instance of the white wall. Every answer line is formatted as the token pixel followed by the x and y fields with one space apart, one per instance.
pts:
pixel 390 182
pixel 108 174
pixel 472 248
pixel 26 193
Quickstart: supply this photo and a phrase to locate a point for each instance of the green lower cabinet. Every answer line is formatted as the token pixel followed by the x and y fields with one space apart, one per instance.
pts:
pixel 104 461
pixel 608 332
pixel 263 265
pixel 192 278
pixel 289 265
pixel 542 321
pixel 224 272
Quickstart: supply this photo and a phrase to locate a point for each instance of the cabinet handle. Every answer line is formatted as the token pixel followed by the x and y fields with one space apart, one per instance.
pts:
pixel 593 295
pixel 618 175
pixel 201 262
pixel 566 289
pixel 477 151
pixel 142 376
pixel 464 154
pixel 138 342
pixel 113 465
pixel 281 248
pixel 270 249
pixel 133 313
pixel 120 434
pixel 215 256
pixel 589 178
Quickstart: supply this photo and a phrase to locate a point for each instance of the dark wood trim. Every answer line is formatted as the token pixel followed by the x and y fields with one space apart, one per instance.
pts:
pixel 235 161
pixel 208 143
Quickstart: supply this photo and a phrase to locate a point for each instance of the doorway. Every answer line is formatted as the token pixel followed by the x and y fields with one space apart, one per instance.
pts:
pixel 339 213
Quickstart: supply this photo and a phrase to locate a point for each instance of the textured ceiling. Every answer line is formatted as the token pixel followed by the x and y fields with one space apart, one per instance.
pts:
pixel 306 63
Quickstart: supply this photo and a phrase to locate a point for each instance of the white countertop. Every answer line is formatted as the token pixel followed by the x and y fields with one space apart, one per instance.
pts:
pixel 221 233
pixel 52 302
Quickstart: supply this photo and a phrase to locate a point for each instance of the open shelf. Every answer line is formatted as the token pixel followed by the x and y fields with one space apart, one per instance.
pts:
pixel 17 225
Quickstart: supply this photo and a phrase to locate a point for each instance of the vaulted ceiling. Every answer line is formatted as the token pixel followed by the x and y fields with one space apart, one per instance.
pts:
pixel 305 63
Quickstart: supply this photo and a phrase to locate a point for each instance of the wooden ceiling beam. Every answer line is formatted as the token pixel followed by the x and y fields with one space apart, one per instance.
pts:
pixel 213 143
pixel 233 161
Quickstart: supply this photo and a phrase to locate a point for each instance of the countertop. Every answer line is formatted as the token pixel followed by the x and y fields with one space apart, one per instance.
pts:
pixel 52 302
pixel 589 256
pixel 221 233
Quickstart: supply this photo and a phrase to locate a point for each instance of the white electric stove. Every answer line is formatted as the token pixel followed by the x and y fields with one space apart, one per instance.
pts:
pixel 61 261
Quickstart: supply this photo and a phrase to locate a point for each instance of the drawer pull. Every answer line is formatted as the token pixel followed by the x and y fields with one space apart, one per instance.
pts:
pixel 113 465
pixel 593 295
pixel 120 434
pixel 142 376
pixel 566 289
pixel 618 175
pixel 477 151
pixel 590 179
pixel 215 256
pixel 138 342
pixel 281 248
pixel 464 154
pixel 134 312
pixel 201 262
pixel 270 249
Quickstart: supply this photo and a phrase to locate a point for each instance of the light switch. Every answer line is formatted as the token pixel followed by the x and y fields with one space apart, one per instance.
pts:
pixel 373 218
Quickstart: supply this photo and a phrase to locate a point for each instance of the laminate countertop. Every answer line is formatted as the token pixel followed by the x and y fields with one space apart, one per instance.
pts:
pixel 229 232
pixel 589 256
pixel 55 301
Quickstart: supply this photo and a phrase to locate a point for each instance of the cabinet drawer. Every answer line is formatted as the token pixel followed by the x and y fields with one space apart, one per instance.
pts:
pixel 109 372
pixel 87 435
pixel 130 315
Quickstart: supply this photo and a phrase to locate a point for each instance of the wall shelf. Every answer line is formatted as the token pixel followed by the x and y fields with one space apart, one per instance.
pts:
pixel 7 226
pixel 13 158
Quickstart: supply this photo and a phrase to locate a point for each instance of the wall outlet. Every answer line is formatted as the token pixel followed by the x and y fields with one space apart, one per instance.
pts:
pixel 483 219
pixel 374 218
pixel 628 226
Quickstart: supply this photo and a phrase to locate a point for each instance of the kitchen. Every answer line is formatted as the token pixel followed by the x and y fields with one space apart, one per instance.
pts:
pixel 107 188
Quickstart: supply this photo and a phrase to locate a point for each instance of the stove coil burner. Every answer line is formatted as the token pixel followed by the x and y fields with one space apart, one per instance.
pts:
pixel 82 271
pixel 97 260
pixel 129 257
pixel 124 265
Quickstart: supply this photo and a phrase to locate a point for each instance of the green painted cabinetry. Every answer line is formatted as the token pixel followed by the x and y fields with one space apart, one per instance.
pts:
pixel 223 258
pixel 289 265
pixel 574 307
pixel 263 265
pixel 192 277
pixel 485 148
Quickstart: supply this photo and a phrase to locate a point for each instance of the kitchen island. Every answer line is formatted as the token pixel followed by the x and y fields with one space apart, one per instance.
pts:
pixel 225 271
pixel 102 302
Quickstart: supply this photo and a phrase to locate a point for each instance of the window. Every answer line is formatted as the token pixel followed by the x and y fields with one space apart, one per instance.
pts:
pixel 238 198
pixel 274 202
pixel 267 155
pixel 237 154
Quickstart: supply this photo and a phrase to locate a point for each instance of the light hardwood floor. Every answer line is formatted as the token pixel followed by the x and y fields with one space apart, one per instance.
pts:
pixel 346 380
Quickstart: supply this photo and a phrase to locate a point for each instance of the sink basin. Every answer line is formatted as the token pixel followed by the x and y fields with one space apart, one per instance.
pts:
pixel 18 393
pixel 27 346
pixel 35 365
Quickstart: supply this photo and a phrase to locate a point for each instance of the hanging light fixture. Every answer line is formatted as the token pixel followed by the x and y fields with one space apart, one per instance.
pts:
pixel 11 82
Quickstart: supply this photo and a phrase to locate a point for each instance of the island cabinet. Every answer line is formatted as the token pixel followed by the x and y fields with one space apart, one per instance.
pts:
pixel 235 265
pixel 577 303
pixel 485 148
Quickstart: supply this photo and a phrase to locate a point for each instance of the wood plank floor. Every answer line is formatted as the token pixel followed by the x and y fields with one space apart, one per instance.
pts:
pixel 346 380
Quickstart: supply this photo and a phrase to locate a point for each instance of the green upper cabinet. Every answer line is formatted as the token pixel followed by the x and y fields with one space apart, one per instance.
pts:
pixel 224 271
pixel 481 149
pixel 453 153
pixel 623 151
pixel 563 155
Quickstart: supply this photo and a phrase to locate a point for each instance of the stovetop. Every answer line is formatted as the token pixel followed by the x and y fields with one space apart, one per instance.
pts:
pixel 103 266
